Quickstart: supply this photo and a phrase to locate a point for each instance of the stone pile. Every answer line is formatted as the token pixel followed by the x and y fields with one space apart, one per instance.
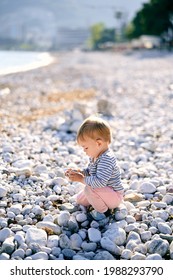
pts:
pixel 39 218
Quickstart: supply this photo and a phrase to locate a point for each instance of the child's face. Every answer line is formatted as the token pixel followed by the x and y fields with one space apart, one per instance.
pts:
pixel 93 148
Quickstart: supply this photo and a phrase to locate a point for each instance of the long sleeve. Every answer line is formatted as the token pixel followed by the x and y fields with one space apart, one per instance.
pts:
pixel 103 172
pixel 86 171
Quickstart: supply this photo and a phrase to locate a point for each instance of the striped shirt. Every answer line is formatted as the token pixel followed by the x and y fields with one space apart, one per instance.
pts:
pixel 104 172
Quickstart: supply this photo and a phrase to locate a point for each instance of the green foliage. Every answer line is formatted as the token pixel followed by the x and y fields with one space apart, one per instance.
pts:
pixel 153 19
pixel 100 35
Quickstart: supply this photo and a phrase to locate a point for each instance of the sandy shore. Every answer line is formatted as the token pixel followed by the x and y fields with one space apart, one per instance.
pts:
pixel 40 111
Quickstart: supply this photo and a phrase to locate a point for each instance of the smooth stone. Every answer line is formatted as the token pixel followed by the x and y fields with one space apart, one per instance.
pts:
pixel 48 218
pixel 89 255
pixel 141 248
pixel 116 234
pixel 40 169
pixel 163 214
pixel 168 198
pixel 131 227
pixel 104 255
pixel 79 257
pixel 126 254
pixel 134 185
pixel 16 209
pixel 56 251
pixel 170 210
pixel 144 203
pixel 138 256
pixel 60 181
pixel 39 256
pixel 131 245
pixel 73 225
pixel 162 190
pixel 36 235
pixel 153 229
pixel 4 234
pixel 94 235
pixel 16 228
pixel 63 218
pixel 168 237
pixel 8 246
pixel 76 241
pixel 53 241
pixel 57 189
pixel 22 171
pixel 18 197
pixel 133 197
pixel 134 236
pixel 4 256
pixel 154 257
pixel 110 246
pixel 64 241
pixel 68 253
pixel 89 246
pixel 3 203
pixel 147 187
pixel 145 236
pixel 164 228
pixel 8 149
pixel 82 234
pixel 68 207
pixel 37 210
pixel 94 224
pixel 120 213
pixel 19 253
pixel 159 204
pixel 158 246
pixel 53 197
pixel 49 226
pixel 20 238
pixel 121 224
pixel 130 219
pixel 130 206
pixel 22 163
pixel 81 217
pixel 46 249
pixel 3 191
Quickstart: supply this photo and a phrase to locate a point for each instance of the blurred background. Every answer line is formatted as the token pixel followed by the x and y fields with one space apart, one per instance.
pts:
pixel 54 25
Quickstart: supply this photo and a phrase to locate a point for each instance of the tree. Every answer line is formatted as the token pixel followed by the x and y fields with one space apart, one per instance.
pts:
pixel 100 35
pixel 155 18
pixel 96 34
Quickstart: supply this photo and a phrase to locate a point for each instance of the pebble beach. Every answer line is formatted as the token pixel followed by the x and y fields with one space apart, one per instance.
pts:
pixel 40 112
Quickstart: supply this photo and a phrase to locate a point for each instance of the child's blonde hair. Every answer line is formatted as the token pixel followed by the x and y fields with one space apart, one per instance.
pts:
pixel 95 128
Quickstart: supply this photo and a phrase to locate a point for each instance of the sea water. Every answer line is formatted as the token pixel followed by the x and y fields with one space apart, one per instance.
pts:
pixel 19 61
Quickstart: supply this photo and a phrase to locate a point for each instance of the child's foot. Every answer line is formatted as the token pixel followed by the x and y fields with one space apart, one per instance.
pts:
pixel 108 213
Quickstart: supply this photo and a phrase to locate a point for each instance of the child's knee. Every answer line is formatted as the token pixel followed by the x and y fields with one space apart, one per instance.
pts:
pixel 100 208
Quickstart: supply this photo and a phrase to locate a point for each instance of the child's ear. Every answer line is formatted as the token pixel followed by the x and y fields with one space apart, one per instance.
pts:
pixel 99 142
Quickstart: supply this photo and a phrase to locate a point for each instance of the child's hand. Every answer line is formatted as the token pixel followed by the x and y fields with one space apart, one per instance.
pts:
pixel 67 172
pixel 70 170
pixel 76 176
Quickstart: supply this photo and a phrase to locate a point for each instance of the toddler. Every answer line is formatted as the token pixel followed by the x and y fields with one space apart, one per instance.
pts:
pixel 103 188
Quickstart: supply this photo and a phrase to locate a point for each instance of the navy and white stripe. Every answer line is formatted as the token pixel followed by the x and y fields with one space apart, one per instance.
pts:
pixel 103 172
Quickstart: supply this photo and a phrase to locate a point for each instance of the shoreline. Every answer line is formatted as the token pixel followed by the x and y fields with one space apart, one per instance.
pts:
pixel 44 59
